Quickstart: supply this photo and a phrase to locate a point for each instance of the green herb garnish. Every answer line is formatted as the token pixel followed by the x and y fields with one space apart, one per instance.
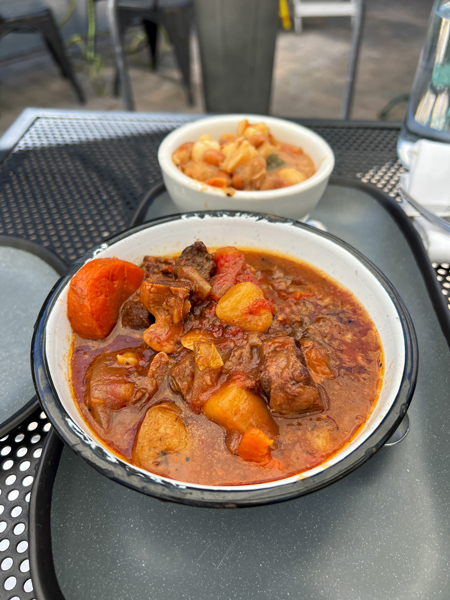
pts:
pixel 273 161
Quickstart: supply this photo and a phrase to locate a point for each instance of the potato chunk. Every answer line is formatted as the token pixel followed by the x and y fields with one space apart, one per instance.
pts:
pixel 200 147
pixel 244 305
pixel 162 432
pixel 291 176
pixel 237 409
pixel 182 155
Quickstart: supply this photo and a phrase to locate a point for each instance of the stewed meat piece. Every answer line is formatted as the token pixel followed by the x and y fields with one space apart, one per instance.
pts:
pixel 134 315
pixel 196 256
pixel 168 302
pixel 197 266
pixel 286 380
pixel 182 376
pixel 158 266
pixel 193 382
pixel 123 378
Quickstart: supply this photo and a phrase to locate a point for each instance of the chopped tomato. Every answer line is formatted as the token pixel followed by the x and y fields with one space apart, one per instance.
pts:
pixel 259 306
pixel 231 268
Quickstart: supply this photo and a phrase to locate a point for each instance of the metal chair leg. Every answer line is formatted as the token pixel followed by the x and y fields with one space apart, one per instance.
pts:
pixel 174 20
pixel 151 31
pixel 124 20
pixel 55 46
pixel 353 60
pixel 125 85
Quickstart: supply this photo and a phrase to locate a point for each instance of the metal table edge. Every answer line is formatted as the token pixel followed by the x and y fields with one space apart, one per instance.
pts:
pixel 15 132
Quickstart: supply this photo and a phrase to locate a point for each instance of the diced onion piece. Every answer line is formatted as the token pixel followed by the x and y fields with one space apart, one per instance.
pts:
pixel 193 337
pixel 207 356
pixel 244 151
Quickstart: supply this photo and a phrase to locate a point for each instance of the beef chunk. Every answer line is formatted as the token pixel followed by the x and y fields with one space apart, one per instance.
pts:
pixel 196 265
pixel 245 360
pixel 196 256
pixel 176 283
pixel 159 367
pixel 192 383
pixel 182 376
pixel 119 379
pixel 134 315
pixel 169 304
pixel 158 265
pixel 286 380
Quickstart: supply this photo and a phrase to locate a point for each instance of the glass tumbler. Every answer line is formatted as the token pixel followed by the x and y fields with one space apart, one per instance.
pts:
pixel 428 112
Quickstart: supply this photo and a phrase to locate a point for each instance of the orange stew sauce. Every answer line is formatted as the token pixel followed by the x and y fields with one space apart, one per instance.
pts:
pixel 229 368
pixel 249 160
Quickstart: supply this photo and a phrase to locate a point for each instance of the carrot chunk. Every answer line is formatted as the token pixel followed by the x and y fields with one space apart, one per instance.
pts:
pixel 255 446
pixel 96 293
pixel 217 182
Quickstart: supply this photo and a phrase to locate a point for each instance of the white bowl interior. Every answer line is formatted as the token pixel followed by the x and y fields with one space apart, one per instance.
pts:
pixel 283 130
pixel 249 232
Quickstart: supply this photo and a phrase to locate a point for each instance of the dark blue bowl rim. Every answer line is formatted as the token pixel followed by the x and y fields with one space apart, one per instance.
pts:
pixel 149 484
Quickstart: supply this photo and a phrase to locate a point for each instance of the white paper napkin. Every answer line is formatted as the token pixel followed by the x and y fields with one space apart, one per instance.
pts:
pixel 428 179
pixel 428 182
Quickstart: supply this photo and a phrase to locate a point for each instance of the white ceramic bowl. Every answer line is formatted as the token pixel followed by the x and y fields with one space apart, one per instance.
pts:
pixel 296 201
pixel 52 343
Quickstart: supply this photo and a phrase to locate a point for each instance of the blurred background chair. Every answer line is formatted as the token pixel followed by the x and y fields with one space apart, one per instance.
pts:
pixel 344 8
pixel 34 16
pixel 237 42
pixel 174 15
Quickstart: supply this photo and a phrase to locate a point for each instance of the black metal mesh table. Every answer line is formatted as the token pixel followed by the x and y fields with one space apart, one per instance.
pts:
pixel 70 180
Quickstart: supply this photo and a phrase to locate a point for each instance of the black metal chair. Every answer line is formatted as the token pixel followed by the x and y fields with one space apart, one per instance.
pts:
pixel 354 9
pixel 35 17
pixel 174 15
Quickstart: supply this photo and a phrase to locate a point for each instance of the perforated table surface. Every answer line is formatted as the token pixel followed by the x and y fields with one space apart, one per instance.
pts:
pixel 70 180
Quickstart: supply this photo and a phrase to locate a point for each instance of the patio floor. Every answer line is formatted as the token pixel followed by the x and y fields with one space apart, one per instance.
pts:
pixel 309 72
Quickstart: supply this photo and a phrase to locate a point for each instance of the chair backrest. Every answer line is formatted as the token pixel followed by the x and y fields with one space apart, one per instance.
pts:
pixel 309 8
pixel 12 9
pixel 343 8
